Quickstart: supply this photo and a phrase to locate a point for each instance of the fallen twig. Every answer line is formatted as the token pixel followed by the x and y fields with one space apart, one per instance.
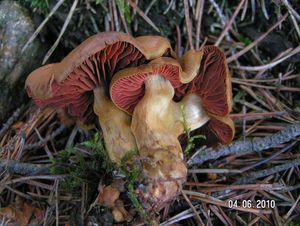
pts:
pixel 181 216
pixel 38 30
pixel 229 23
pixel 197 217
pixel 44 141
pixel 150 6
pixel 188 23
pixel 254 43
pixel 219 12
pixel 266 172
pixel 143 15
pixel 67 21
pixel 200 6
pixel 10 121
pixel 37 144
pixel 21 168
pixel 263 161
pixel 249 145
pixel 269 65
pixel 291 9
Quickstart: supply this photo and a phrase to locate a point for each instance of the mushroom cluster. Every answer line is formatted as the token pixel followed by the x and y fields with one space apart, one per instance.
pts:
pixel 136 88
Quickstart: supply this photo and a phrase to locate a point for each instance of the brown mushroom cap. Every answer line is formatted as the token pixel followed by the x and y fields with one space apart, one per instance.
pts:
pixel 69 84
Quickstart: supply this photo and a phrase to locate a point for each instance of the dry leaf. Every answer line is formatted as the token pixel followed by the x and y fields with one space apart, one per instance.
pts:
pixel 20 213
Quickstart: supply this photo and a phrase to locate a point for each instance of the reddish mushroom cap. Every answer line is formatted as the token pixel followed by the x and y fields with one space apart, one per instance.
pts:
pixel 211 82
pixel 127 86
pixel 216 130
pixel 69 84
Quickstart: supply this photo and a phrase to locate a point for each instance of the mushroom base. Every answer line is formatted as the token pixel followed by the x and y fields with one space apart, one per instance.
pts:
pixel 165 173
pixel 115 125
pixel 154 123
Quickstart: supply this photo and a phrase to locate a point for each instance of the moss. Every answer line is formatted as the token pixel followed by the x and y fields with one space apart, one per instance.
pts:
pixel 135 202
pixel 294 224
pixel 41 6
pixel 125 10
pixel 131 168
pixel 79 168
pixel 245 39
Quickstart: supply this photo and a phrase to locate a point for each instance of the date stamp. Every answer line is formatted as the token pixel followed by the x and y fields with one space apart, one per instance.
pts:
pixel 258 204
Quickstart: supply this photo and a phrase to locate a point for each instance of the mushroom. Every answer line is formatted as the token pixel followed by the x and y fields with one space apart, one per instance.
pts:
pixel 79 83
pixel 201 82
pixel 109 197
pixel 211 82
pixel 147 93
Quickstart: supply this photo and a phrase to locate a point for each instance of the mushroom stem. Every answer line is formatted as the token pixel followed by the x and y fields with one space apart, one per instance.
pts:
pixel 156 125
pixel 115 125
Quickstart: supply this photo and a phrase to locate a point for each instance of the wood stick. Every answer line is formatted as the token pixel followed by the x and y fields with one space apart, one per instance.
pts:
pixel 25 169
pixel 249 145
pixel 266 172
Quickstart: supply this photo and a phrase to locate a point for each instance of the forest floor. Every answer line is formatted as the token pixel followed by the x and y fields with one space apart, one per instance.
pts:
pixel 50 174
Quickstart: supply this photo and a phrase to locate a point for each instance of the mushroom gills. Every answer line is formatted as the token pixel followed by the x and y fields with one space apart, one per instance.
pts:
pixel 115 125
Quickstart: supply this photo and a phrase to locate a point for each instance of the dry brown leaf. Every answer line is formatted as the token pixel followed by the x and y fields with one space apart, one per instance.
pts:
pixel 21 213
